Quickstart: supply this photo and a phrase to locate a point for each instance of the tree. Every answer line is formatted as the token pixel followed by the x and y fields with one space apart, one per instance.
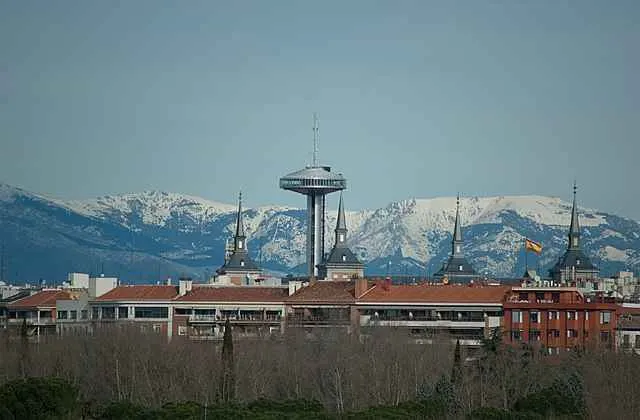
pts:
pixel 456 371
pixel 227 381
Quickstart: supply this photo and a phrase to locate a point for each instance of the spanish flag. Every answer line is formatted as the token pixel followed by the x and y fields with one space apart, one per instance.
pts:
pixel 533 246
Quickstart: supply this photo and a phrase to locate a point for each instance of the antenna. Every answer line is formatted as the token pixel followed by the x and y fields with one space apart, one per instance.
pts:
pixel 2 263
pixel 316 129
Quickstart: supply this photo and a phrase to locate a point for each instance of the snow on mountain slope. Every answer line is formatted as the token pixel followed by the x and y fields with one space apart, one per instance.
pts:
pixel 175 230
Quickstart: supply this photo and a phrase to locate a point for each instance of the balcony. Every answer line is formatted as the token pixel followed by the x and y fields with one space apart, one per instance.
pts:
pixel 319 321
pixel 242 319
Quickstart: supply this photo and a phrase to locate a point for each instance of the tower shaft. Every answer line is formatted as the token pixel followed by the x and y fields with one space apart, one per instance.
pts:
pixel 315 232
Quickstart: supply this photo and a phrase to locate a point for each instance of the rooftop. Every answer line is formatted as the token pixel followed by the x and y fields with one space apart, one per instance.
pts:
pixel 235 294
pixel 45 298
pixel 325 291
pixel 140 293
pixel 423 293
pixel 313 178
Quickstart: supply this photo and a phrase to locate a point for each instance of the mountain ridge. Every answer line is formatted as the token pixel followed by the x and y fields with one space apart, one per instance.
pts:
pixel 159 233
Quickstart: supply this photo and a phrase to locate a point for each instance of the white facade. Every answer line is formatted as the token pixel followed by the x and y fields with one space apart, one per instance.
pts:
pixel 98 286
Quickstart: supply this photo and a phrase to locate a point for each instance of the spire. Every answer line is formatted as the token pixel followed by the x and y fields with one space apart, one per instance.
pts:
pixel 457 231
pixel 316 129
pixel 341 225
pixel 239 240
pixel 574 228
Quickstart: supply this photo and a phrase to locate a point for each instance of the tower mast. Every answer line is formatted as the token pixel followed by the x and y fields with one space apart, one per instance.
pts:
pixel 316 134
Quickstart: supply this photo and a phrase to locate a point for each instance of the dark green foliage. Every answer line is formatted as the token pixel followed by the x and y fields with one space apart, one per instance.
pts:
pixel 456 371
pixel 490 413
pixel 493 343
pixel 122 410
pixel 564 397
pixel 39 398
pixel 227 380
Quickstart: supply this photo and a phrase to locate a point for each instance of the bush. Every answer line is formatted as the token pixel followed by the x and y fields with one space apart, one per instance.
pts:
pixel 39 398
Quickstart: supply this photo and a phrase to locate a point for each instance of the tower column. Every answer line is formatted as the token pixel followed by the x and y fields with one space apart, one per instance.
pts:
pixel 315 232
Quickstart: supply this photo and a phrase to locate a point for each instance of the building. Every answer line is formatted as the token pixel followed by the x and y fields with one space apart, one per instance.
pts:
pixel 325 304
pixel 574 267
pixel 148 308
pixel 315 182
pixel 456 269
pixel 38 311
pixel 239 268
pixel 254 311
pixel 341 263
pixel 459 312
pixel 558 318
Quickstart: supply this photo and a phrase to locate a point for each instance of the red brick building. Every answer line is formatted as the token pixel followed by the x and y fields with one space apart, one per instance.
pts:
pixel 558 318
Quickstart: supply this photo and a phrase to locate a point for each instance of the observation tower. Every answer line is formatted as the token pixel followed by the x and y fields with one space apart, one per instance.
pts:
pixel 314 181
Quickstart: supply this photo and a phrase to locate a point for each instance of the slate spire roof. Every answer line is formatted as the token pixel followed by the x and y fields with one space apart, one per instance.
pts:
pixel 574 257
pixel 457 265
pixel 341 254
pixel 239 260
pixel 574 228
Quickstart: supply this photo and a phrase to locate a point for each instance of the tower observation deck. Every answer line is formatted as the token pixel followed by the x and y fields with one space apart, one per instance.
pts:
pixel 314 181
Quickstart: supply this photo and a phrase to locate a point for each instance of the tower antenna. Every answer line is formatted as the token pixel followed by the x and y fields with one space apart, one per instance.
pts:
pixel 316 129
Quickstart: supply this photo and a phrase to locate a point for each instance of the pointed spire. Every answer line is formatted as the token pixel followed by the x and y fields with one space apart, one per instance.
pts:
pixel 341 225
pixel 574 228
pixel 456 244
pixel 239 224
pixel 457 232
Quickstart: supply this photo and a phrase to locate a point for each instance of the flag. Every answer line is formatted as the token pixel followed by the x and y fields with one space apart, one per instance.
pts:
pixel 533 246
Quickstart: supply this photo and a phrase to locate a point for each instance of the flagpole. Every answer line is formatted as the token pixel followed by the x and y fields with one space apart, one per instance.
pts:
pixel 526 254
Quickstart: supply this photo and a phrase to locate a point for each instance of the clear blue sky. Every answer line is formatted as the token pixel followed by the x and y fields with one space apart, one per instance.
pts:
pixel 415 98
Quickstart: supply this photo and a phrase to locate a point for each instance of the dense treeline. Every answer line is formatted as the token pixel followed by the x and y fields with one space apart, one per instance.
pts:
pixel 118 374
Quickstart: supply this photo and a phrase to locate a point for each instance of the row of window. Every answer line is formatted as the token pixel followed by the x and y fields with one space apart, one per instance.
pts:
pixel 73 315
pixel 535 335
pixel 109 312
pixel 536 316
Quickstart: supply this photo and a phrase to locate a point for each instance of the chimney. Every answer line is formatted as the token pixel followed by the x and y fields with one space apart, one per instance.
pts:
pixel 184 285
pixel 362 285
pixel 168 281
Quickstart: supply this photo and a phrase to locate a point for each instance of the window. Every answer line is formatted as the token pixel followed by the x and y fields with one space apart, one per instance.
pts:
pixel 457 249
pixel 123 312
pixel 516 335
pixel 157 328
pixel 182 330
pixel 534 335
pixel 554 333
pixel 344 257
pixel 555 297
pixel 523 297
pixel 572 333
pixel 575 241
pixel 84 314
pixel 604 336
pixel 534 317
pixel 151 312
pixel 73 314
pixel 572 315
pixel 554 315
pixel 638 341
pixel 63 315
pixel 341 237
pixel 241 263
pixel 605 317
pixel 586 315
pixel 516 316
pixel 626 341
pixel 240 244
pixel 577 262
pixel 109 313
pixel 539 297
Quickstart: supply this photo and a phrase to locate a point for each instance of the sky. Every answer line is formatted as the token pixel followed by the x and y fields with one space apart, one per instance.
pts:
pixel 415 98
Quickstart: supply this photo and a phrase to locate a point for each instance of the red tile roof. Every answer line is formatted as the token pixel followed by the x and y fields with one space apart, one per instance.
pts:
pixel 44 298
pixel 140 293
pixel 424 293
pixel 325 291
pixel 235 294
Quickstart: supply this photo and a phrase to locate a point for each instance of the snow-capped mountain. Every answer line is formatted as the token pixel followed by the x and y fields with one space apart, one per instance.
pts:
pixel 151 235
